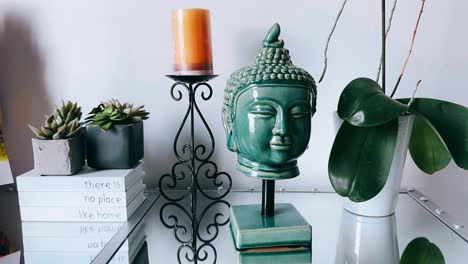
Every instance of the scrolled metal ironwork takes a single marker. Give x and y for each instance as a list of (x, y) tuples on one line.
[(215, 177), (212, 228), (180, 252), (206, 85), (174, 224), (186, 149), (202, 250), (210, 133), (170, 181), (196, 255), (193, 166), (178, 97)]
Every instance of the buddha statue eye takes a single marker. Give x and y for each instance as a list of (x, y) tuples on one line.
[(263, 111), (299, 112)]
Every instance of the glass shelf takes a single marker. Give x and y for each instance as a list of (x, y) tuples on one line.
[(337, 236)]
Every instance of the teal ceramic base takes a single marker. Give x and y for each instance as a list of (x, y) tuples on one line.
[(286, 228), (300, 255)]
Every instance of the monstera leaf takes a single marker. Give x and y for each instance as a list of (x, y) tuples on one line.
[(361, 158), (426, 147), (363, 103), (450, 121), (422, 251)]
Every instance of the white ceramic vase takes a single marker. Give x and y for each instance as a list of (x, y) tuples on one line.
[(385, 202), (367, 240)]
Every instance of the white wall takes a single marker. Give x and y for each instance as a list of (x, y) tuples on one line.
[(89, 51)]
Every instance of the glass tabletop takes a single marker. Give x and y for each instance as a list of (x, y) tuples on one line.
[(337, 235)]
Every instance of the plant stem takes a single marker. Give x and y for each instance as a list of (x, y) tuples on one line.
[(411, 48), (414, 93), (383, 47), (325, 63), (386, 35)]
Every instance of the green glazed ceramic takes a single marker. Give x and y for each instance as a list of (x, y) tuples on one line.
[(300, 255), (286, 228), (267, 112)]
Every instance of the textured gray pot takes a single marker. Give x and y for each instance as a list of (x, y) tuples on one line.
[(60, 156), (121, 147)]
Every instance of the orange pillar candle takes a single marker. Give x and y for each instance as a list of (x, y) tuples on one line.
[(192, 42)]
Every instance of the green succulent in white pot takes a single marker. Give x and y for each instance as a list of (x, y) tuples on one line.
[(59, 145), (114, 135)]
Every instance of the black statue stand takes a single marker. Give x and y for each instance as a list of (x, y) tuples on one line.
[(268, 198)]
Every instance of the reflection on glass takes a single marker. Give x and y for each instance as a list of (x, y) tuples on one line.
[(367, 240), (421, 250), (60, 242), (196, 230), (142, 255), (300, 255), (134, 250)]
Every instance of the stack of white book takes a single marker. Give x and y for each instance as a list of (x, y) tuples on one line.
[(60, 242), (88, 196)]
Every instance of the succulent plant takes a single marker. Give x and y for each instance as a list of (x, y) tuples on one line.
[(64, 123), (112, 112)]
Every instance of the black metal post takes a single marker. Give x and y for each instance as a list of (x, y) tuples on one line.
[(193, 172), (268, 198)]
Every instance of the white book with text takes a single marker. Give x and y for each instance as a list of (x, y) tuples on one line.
[(46, 250), (70, 229), (114, 180), (82, 199), (81, 214)]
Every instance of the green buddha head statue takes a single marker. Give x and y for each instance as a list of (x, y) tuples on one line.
[(267, 112)]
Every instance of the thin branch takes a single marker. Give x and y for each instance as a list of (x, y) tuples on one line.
[(325, 63), (384, 44), (414, 93), (386, 35), (411, 48)]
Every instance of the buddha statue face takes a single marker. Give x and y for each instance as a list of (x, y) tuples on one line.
[(272, 124), (267, 113)]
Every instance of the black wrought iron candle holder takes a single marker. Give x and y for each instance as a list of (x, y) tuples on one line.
[(194, 161)]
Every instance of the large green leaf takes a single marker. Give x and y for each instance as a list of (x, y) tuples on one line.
[(427, 148), (363, 103), (422, 251), (451, 122), (361, 158)]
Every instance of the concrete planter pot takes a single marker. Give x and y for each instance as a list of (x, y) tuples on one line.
[(121, 147), (59, 157)]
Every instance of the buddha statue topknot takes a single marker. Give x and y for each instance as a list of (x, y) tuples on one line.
[(267, 112)]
